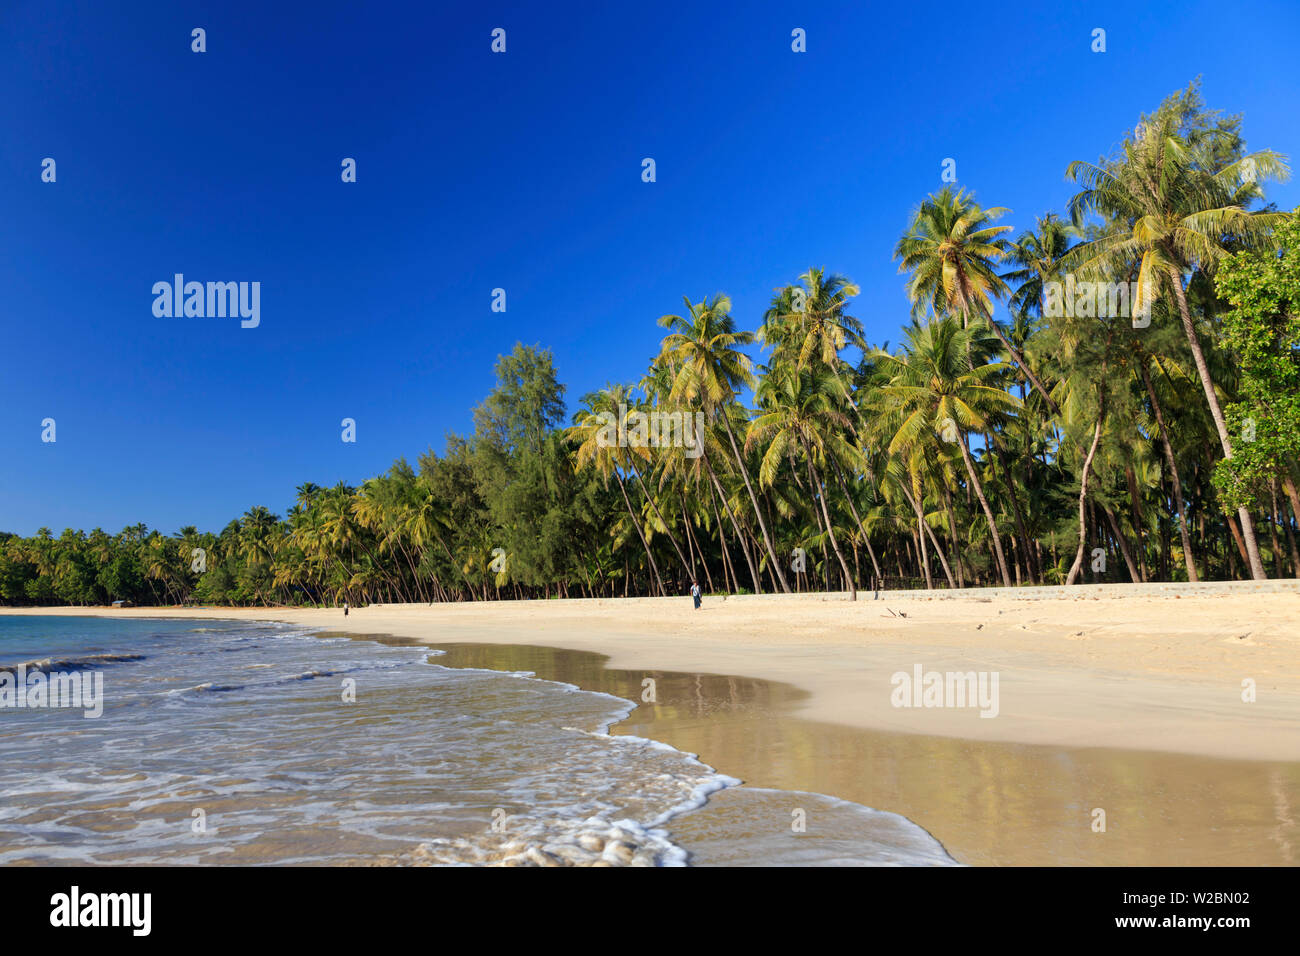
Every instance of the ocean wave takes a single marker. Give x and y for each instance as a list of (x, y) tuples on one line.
[(47, 664), (450, 766), (209, 687), (557, 842)]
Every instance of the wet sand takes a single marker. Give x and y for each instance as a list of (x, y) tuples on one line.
[(988, 803), (1130, 700)]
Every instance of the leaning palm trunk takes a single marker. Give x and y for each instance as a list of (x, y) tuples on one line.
[(728, 565), (1022, 535), (866, 539), (375, 562), (1077, 566), (1019, 359), (952, 530), (1289, 487), (1279, 513), (1202, 369), (1120, 541), (693, 540), (819, 491), (1136, 504), (1168, 447), (1273, 521), (415, 574), (469, 585), (636, 523), (667, 530), (735, 526), (988, 512), (919, 542), (762, 525), (921, 523)]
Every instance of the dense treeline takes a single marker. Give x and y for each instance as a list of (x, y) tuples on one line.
[(1068, 443)]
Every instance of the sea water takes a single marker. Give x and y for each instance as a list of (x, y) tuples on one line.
[(264, 743)]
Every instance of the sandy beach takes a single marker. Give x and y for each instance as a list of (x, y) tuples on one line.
[(1121, 698)]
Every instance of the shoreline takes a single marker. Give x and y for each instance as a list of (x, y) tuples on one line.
[(1113, 699), (1113, 666), (988, 804)]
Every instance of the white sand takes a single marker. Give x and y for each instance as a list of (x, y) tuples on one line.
[(1139, 667)]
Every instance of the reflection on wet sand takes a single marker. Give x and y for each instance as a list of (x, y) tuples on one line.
[(988, 803)]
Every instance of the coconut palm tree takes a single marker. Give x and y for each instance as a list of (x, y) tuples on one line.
[(807, 322), (1037, 252), (943, 385), (799, 414), (951, 249), (596, 433), (1174, 210), (708, 371)]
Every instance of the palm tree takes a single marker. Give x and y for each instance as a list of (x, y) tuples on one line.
[(807, 322), (942, 385), (256, 541), (1174, 211), (598, 448), (1038, 253), (951, 248), (708, 370), (799, 413)]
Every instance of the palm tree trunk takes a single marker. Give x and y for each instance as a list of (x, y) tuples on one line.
[(1083, 496), (1207, 384), (1273, 522), (1019, 359), (735, 526), (415, 574), (667, 530), (1120, 542), (819, 491), (728, 566), (693, 539), (1290, 538), (1188, 557), (952, 530), (744, 474), (923, 528), (1238, 540), (984, 503), (1288, 486), (636, 523), (375, 563), (918, 543), (1136, 502), (1021, 532), (839, 477)]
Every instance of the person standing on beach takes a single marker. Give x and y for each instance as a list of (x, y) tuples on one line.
[(695, 593), (345, 608)]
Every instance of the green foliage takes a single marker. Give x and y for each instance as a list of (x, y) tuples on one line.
[(1263, 330)]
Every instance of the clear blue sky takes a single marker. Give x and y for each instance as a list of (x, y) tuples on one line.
[(478, 171)]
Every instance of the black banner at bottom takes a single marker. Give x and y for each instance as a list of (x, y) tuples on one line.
[(337, 905)]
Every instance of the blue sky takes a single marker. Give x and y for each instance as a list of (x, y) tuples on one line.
[(478, 170)]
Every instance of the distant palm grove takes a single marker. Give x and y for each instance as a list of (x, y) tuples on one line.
[(1067, 443)]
